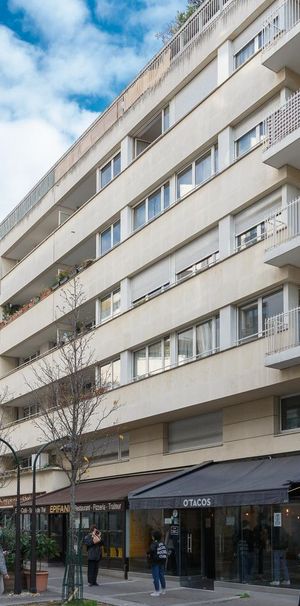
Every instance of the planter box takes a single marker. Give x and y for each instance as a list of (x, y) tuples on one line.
[(41, 580), (9, 584)]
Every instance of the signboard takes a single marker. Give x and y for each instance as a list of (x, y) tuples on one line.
[(11, 501), (196, 502), (84, 508), (277, 519)]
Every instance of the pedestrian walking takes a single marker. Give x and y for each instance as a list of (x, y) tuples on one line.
[(94, 543), (157, 555), (3, 570)]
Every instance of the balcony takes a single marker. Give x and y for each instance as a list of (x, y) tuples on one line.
[(282, 130), (281, 37), (282, 233), (283, 340)]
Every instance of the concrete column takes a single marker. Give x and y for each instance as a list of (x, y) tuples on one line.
[(225, 148), (290, 296), (126, 366), (226, 236), (172, 114), (126, 152), (289, 193), (126, 222), (125, 288), (285, 93), (173, 349), (97, 312), (6, 365), (225, 61), (173, 195), (228, 327), (172, 272)]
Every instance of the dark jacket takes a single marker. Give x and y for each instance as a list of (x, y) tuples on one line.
[(94, 549), (153, 555)]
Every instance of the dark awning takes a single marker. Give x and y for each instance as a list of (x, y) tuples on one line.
[(248, 482), (95, 491)]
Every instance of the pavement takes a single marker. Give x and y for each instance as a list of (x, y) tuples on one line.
[(115, 591)]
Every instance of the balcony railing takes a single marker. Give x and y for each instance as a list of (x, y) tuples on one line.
[(199, 24), (282, 331), (283, 225), (283, 121), (280, 21)]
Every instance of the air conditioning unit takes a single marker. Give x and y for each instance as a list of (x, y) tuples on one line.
[(42, 461)]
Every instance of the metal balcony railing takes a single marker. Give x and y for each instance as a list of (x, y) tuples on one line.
[(283, 225), (280, 21), (199, 24), (283, 121), (283, 331)]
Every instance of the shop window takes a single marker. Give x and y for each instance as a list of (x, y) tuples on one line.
[(110, 170), (290, 413), (196, 432), (152, 206)]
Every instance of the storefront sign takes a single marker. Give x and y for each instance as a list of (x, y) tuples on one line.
[(65, 508), (277, 519), (11, 501), (192, 502)]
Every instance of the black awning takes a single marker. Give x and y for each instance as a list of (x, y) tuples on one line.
[(248, 482)]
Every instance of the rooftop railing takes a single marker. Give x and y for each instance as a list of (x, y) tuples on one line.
[(282, 331), (283, 121), (280, 21), (283, 225), (202, 21)]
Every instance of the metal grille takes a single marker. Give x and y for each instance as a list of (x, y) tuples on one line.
[(280, 21), (282, 331), (283, 225), (283, 121)]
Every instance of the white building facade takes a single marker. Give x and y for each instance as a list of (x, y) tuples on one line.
[(180, 208)]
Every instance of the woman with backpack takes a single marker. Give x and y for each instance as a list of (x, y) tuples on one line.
[(157, 555)]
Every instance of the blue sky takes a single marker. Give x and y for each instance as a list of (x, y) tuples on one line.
[(61, 63)]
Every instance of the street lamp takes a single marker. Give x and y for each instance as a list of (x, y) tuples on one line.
[(33, 523), (18, 584)]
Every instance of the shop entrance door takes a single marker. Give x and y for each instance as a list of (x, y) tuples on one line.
[(197, 548)]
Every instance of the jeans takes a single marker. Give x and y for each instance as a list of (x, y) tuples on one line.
[(93, 566), (279, 557), (158, 575)]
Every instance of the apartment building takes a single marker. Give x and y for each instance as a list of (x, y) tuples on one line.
[(179, 210)]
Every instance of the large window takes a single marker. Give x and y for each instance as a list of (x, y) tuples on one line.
[(29, 411), (109, 448), (149, 133), (253, 315), (290, 413), (198, 341), (152, 358), (110, 237), (151, 206), (110, 374), (110, 170), (198, 172), (110, 305), (196, 432), (249, 140), (248, 50)]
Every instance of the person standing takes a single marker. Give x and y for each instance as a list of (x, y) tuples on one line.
[(158, 556), (94, 543), (280, 542), (3, 570)]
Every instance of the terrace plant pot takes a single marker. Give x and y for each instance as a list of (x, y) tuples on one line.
[(41, 580)]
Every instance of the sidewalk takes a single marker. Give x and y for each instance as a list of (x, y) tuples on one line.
[(136, 592)]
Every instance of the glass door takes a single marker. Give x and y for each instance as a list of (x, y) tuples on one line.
[(197, 548)]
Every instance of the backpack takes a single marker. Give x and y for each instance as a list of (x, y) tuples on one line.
[(161, 551)]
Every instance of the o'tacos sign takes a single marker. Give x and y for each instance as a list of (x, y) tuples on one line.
[(194, 502)]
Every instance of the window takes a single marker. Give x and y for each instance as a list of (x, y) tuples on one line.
[(196, 432), (152, 206), (251, 236), (248, 50), (249, 140), (198, 172), (198, 341), (25, 463), (197, 267), (149, 133), (290, 413), (110, 237), (30, 358), (110, 170), (110, 305), (151, 294), (29, 411), (152, 358), (110, 374), (109, 448), (253, 316)]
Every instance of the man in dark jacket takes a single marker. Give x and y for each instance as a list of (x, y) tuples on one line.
[(157, 555), (94, 544)]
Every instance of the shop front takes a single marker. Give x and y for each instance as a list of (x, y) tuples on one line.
[(235, 521)]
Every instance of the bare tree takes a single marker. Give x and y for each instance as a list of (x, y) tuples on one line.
[(73, 402)]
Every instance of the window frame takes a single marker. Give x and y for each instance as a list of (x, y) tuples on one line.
[(260, 328), (215, 335), (213, 444), (112, 384), (111, 228), (294, 429), (213, 151), (104, 165), (110, 296), (161, 114), (257, 42), (259, 135), (146, 348), (194, 269), (162, 188), (261, 230)]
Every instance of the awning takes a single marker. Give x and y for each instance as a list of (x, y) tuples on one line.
[(95, 491), (248, 482)]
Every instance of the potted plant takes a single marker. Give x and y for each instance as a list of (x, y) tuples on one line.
[(46, 548), (8, 541)]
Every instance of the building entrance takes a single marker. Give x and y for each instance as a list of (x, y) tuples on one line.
[(197, 548)]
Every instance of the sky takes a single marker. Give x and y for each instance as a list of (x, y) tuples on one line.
[(61, 63)]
